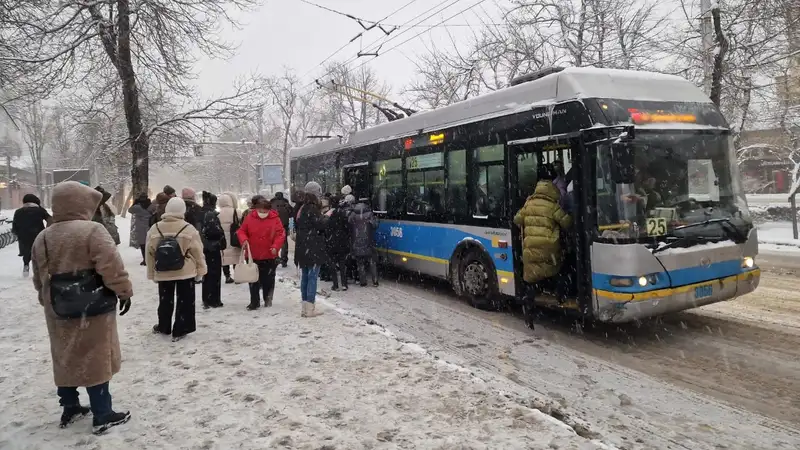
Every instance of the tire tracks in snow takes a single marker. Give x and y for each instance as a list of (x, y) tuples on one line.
[(627, 408)]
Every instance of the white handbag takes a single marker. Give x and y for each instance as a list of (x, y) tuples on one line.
[(247, 270)]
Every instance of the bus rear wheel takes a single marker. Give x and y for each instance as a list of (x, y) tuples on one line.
[(477, 283)]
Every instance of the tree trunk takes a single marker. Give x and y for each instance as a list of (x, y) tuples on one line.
[(140, 145), (720, 52)]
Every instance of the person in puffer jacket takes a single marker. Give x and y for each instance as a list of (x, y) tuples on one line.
[(181, 282), (263, 233), (541, 220)]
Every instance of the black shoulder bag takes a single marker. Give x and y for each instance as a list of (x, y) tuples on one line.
[(234, 228), (79, 294)]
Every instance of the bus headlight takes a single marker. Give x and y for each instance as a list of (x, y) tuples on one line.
[(642, 281), (748, 262)]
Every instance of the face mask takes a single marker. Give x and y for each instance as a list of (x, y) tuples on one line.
[(263, 215)]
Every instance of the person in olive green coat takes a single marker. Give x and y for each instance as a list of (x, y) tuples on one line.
[(541, 219)]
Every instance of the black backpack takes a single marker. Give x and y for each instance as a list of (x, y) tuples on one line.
[(169, 255), (212, 233)]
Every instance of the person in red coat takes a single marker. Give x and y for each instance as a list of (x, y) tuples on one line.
[(263, 232)]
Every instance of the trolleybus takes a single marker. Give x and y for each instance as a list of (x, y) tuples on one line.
[(660, 220)]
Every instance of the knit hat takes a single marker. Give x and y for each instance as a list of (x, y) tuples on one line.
[(312, 187), (175, 208), (347, 190), (349, 199), (188, 194), (169, 190)]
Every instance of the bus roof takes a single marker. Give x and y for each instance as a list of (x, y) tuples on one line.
[(569, 84)]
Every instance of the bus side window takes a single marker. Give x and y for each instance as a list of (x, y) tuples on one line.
[(457, 204)]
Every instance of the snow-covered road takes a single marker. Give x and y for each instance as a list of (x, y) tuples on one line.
[(255, 380), (720, 377)]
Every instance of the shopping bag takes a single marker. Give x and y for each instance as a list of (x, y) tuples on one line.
[(247, 270)]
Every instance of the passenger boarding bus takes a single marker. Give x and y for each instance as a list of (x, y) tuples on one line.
[(660, 221)]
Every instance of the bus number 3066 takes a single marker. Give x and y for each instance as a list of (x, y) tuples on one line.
[(396, 232)]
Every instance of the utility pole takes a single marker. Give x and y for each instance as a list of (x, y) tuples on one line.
[(707, 33)]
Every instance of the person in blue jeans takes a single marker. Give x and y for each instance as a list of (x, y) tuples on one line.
[(85, 351), (310, 251)]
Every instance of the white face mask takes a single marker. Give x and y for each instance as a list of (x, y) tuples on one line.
[(263, 215)]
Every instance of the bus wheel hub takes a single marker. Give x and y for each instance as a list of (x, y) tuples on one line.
[(475, 278)]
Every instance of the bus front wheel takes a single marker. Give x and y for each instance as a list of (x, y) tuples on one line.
[(477, 283)]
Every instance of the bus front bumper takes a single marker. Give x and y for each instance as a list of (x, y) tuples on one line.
[(617, 307)]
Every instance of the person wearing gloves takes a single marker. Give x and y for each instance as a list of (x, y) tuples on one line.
[(263, 234), (175, 261), (85, 347)]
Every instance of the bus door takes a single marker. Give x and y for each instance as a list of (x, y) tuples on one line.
[(357, 176), (530, 159)]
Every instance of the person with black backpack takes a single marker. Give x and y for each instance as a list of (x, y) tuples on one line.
[(176, 262), (214, 242)]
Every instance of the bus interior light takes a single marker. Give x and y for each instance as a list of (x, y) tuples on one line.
[(405, 259)]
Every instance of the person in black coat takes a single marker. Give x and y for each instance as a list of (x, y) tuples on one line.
[(284, 210), (337, 242), (29, 221), (194, 212), (214, 243), (309, 248)]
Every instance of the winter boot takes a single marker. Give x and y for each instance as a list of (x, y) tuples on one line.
[(102, 424), (254, 305), (309, 310), (26, 270), (229, 280), (72, 414), (268, 301)]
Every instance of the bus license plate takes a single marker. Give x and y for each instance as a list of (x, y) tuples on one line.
[(703, 291)]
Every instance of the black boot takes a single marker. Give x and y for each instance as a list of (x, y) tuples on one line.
[(229, 280), (72, 414), (100, 425), (254, 305)]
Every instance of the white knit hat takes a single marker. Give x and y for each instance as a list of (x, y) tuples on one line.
[(349, 199), (347, 190), (176, 207)]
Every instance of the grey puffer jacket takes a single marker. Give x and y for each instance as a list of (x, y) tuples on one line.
[(362, 230)]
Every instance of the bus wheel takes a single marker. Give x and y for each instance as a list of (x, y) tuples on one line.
[(477, 284)]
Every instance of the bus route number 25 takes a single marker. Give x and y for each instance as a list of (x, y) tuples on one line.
[(396, 232)]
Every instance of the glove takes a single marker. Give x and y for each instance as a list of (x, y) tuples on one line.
[(124, 306)]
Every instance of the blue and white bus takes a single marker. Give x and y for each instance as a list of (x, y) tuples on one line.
[(661, 223)]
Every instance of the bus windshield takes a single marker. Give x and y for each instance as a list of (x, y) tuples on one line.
[(666, 184)]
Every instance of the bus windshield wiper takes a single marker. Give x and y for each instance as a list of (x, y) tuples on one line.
[(694, 239), (727, 225)]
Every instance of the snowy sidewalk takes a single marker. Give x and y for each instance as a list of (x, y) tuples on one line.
[(254, 380)]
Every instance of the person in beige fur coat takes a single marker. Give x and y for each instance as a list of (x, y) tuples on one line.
[(85, 350)]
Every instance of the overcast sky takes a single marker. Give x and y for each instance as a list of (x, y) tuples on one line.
[(294, 34)]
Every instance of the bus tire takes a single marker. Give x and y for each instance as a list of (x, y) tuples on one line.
[(476, 282)]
